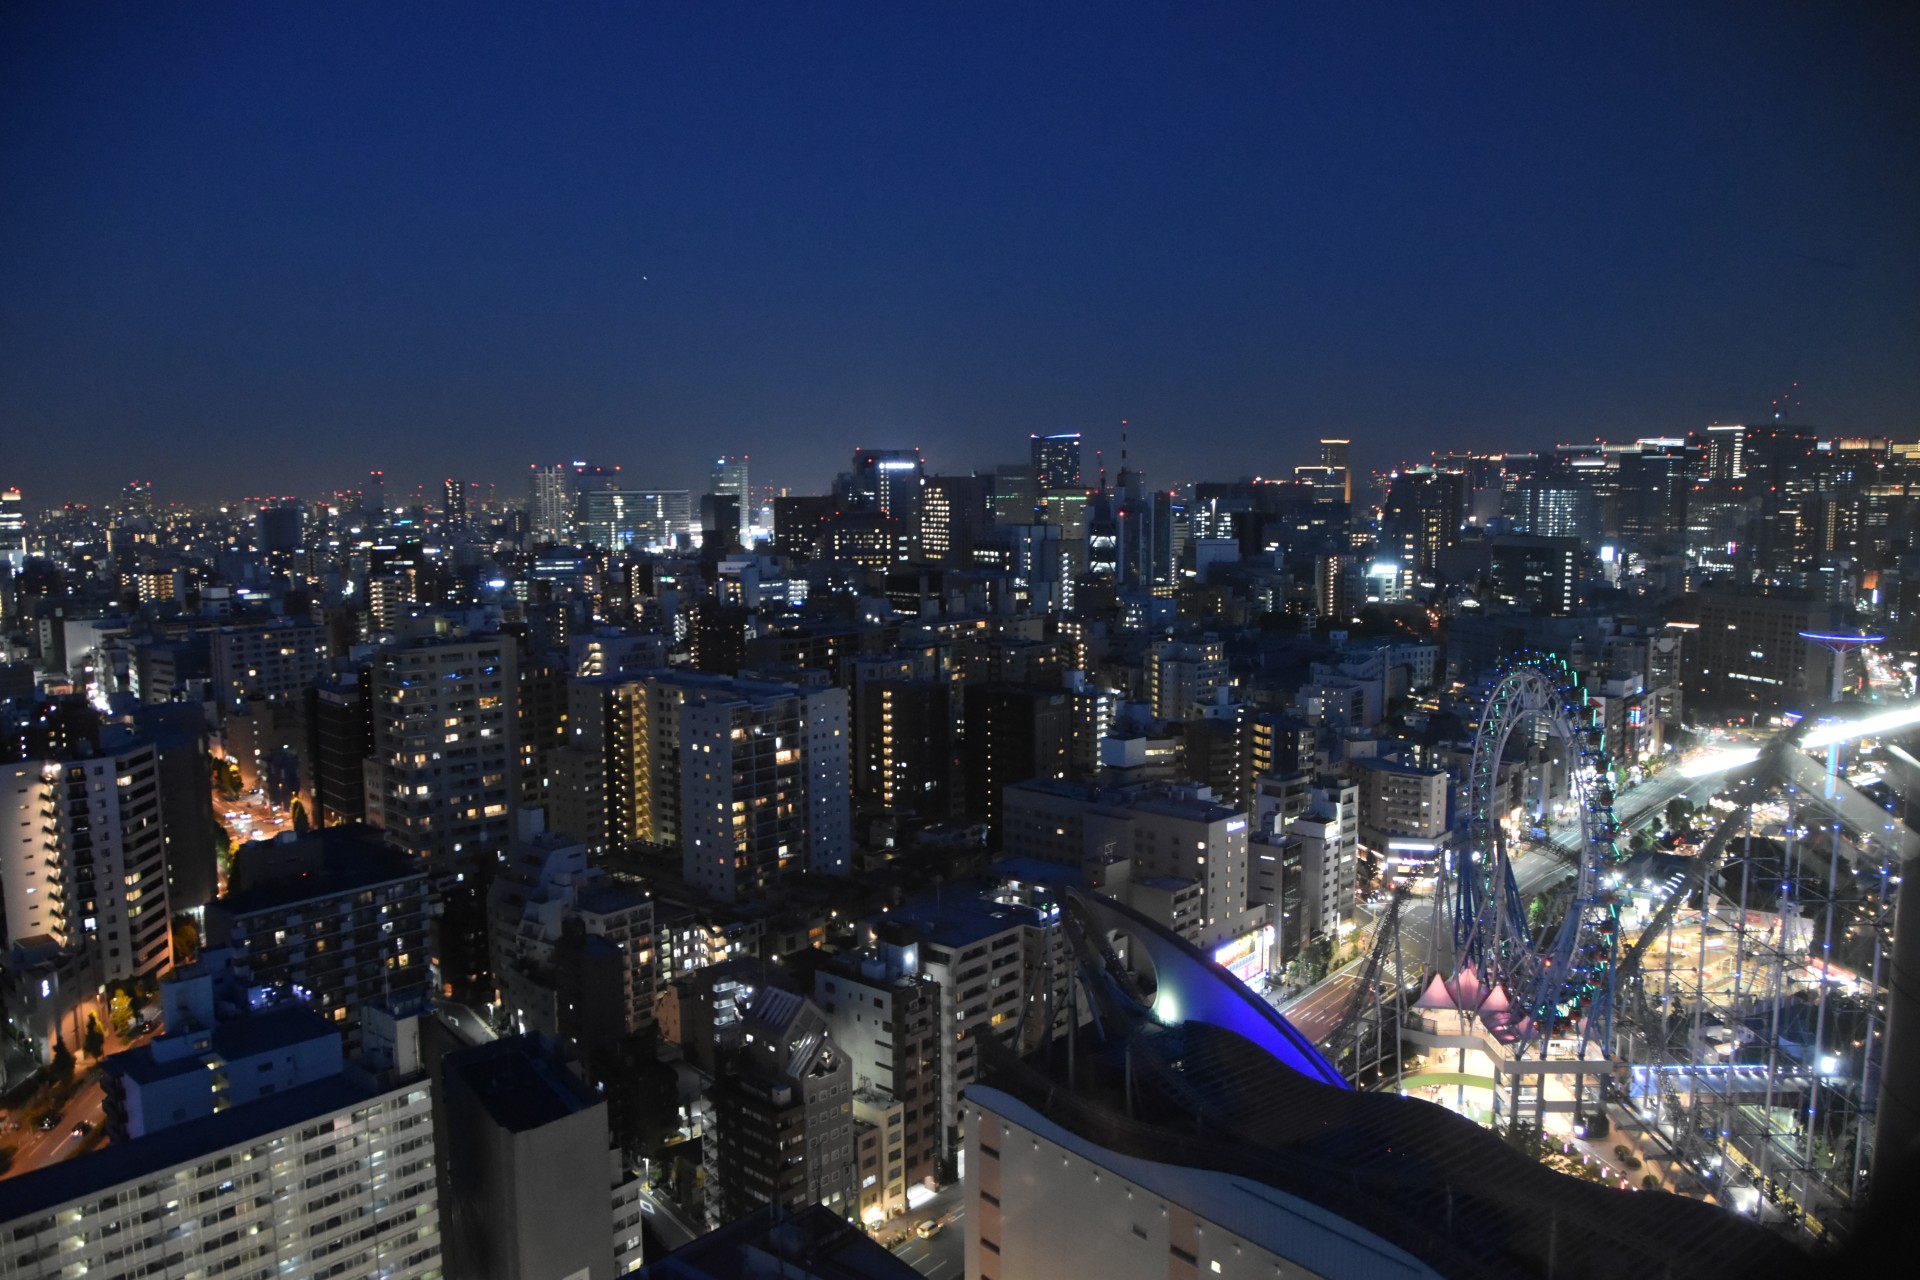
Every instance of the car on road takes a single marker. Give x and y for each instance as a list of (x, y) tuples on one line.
[(81, 1130), (929, 1229)]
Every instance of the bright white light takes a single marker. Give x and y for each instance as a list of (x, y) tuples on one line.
[(1886, 722), (1719, 762), (1828, 1065)]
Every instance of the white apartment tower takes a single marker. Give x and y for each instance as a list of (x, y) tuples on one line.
[(334, 1178), (83, 858), (550, 504)]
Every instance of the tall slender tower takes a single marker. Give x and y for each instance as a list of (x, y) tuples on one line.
[(730, 480)]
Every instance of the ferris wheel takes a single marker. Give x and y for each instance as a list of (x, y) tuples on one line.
[(1533, 982)]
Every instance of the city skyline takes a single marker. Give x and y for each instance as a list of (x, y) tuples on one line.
[(293, 242)]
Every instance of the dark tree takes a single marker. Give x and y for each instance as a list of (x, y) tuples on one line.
[(61, 1068)]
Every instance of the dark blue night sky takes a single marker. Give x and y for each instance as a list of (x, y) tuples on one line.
[(265, 247)]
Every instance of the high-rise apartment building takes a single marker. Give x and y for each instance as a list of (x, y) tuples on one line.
[(550, 504), (1013, 733), (272, 660), (1184, 675), (1403, 814), (1423, 514), (335, 1177), (335, 917), (730, 480), (750, 778), (455, 501), (83, 857), (440, 782), (903, 760), (764, 776)]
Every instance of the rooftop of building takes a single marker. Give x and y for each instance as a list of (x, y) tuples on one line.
[(268, 875), (1387, 764), (521, 1081), (113, 1166), (233, 1040), (961, 916), (814, 1243)]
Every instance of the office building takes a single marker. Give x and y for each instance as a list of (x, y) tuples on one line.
[(890, 481), (1542, 574), (637, 519), (884, 1013), (1423, 514), (783, 1114), (544, 891), (730, 480), (217, 1052), (1403, 815), (955, 512), (532, 1189), (1747, 655), (1056, 460), (1013, 733)]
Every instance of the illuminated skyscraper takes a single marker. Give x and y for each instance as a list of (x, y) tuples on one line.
[(13, 527), (137, 498), (890, 481), (1423, 514), (376, 496), (730, 480), (1056, 460), (551, 503), (456, 501), (1333, 454)]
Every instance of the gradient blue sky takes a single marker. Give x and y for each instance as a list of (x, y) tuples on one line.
[(264, 247)]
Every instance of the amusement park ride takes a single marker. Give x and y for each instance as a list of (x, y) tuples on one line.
[(1728, 1029)]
